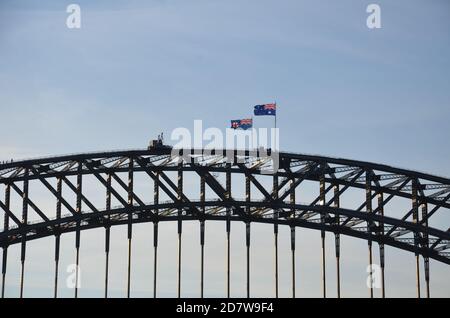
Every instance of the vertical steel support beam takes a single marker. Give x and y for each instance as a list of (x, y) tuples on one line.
[(293, 259), (381, 245), (228, 225), (322, 220), (275, 230), (77, 234), (180, 223), (107, 234), (6, 228), (415, 213), (426, 259), (369, 224), (155, 234), (292, 202), (337, 241), (24, 223), (425, 244), (130, 221), (57, 235), (202, 236), (247, 230)]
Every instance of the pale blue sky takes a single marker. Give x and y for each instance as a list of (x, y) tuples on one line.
[(136, 68)]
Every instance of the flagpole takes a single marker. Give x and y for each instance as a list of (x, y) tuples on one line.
[(275, 115), (256, 144)]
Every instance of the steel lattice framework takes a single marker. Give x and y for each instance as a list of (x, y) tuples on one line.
[(429, 198)]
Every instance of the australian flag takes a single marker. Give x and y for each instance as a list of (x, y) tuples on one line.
[(266, 109), (242, 124)]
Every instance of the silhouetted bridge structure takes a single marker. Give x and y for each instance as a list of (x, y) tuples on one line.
[(418, 230)]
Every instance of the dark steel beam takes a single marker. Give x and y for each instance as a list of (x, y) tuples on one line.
[(380, 209), (105, 184), (202, 238), (78, 230), (426, 259), (38, 230), (10, 215), (5, 227), (180, 196), (54, 192), (283, 155), (161, 175), (83, 198), (24, 223), (257, 184), (89, 222), (416, 227), (369, 225), (247, 231), (415, 213), (155, 234), (322, 235), (298, 181), (341, 191), (124, 186), (293, 259), (293, 216), (57, 236), (337, 241), (50, 173), (30, 203), (107, 234), (406, 216), (228, 225), (217, 188), (130, 220), (275, 231)]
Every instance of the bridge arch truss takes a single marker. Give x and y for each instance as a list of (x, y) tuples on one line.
[(422, 229)]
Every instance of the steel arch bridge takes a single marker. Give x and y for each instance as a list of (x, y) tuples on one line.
[(420, 229)]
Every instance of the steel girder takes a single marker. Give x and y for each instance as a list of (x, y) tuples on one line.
[(411, 231)]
